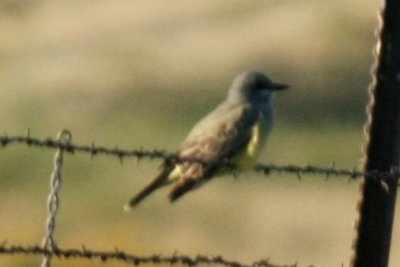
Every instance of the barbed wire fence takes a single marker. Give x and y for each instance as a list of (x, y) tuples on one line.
[(140, 154), (63, 144), (380, 177)]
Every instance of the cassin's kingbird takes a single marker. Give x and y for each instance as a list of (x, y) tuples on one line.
[(236, 131)]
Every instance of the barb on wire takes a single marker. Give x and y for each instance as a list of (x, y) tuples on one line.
[(122, 256), (53, 201), (139, 154)]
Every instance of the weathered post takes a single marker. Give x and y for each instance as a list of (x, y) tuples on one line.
[(382, 150)]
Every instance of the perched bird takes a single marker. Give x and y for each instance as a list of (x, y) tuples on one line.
[(235, 130)]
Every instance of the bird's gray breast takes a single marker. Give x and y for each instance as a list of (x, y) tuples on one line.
[(266, 121)]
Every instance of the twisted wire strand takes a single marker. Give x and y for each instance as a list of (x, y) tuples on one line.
[(53, 201)]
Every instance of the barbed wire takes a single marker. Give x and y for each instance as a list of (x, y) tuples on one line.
[(49, 249), (122, 256), (139, 154), (63, 143)]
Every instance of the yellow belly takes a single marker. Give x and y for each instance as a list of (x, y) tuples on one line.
[(247, 158)]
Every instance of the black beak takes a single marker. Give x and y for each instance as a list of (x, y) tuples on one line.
[(279, 86)]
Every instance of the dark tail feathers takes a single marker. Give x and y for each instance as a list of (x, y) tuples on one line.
[(158, 182)]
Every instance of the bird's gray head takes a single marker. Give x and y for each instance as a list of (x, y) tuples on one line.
[(254, 87)]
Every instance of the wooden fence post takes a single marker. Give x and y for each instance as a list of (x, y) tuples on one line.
[(377, 207)]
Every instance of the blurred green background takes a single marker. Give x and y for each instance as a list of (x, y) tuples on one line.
[(139, 74)]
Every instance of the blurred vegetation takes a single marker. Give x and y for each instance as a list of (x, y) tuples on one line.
[(140, 74)]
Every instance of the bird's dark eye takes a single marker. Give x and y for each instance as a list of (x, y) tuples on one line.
[(261, 84)]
